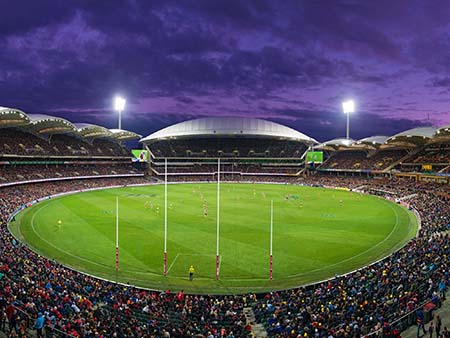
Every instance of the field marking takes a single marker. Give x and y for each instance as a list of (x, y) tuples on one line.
[(173, 262), (94, 262), (205, 278), (193, 254), (71, 254), (57, 248), (358, 255), (112, 268)]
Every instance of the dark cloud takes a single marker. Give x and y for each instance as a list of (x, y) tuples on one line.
[(179, 59), (22, 16), (440, 82), (327, 125)]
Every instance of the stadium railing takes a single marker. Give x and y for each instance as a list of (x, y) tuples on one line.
[(52, 332), (68, 179), (409, 319), (49, 331)]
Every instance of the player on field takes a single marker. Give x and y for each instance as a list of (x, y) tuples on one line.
[(191, 273), (58, 225)]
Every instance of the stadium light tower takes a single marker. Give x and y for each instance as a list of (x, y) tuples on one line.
[(119, 106), (348, 107)]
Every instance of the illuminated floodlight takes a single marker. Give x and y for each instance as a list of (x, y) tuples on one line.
[(119, 106), (119, 103), (348, 106)]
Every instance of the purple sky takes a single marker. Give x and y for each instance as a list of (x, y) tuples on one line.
[(292, 62)]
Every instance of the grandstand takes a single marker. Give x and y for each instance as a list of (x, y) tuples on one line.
[(38, 147), (418, 150), (247, 148), (43, 155)]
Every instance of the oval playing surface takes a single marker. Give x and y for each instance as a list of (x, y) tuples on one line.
[(317, 233)]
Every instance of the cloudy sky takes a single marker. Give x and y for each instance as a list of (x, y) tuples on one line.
[(292, 62)]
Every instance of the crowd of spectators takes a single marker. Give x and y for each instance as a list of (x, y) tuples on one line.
[(383, 158), (19, 142), (347, 159), (438, 153), (354, 305), (25, 172), (228, 147), (362, 160), (373, 297), (228, 167), (233, 178), (81, 306)]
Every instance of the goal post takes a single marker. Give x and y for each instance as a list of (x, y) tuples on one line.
[(165, 217), (117, 233), (271, 242), (218, 220)]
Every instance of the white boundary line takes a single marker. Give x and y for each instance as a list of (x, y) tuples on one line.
[(197, 255), (358, 255), (173, 262), (150, 273), (54, 246), (220, 256)]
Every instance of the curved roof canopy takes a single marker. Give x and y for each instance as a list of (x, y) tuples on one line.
[(412, 137), (92, 130), (368, 143), (228, 127), (442, 134), (124, 135), (45, 124), (11, 117), (337, 143), (373, 140)]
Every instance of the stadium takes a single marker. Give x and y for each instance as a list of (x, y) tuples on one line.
[(288, 236)]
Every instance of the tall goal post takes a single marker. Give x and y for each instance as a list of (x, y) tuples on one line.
[(117, 234), (271, 241), (218, 220), (165, 217)]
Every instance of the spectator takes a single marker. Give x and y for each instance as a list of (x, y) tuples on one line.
[(39, 325)]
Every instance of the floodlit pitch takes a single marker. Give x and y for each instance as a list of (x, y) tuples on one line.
[(317, 233)]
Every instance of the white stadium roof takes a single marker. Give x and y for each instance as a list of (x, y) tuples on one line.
[(124, 135), (373, 140), (442, 135), (426, 132), (413, 137), (11, 117), (369, 143), (228, 126), (45, 124), (443, 129), (335, 143), (92, 130), (217, 126)]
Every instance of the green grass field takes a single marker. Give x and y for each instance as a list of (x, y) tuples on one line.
[(317, 233)]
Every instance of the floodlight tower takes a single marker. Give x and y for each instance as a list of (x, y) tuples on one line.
[(348, 108), (119, 106)]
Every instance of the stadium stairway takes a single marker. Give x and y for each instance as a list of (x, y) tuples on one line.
[(444, 169), (444, 314), (257, 329), (410, 154)]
